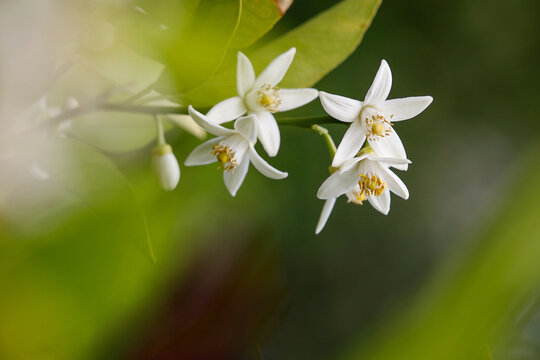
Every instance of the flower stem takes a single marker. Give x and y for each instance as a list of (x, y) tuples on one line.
[(307, 121), (327, 138), (160, 131)]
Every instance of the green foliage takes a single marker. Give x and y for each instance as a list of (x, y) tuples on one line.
[(322, 44), (469, 310)]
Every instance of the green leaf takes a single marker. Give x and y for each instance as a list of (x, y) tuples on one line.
[(322, 44), (96, 183), (194, 52), (114, 132), (258, 17)]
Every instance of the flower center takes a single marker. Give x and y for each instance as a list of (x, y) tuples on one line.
[(377, 127), (370, 185), (268, 97), (225, 155)]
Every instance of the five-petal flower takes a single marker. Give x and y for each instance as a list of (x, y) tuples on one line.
[(365, 177), (372, 119), (261, 97), (233, 149)]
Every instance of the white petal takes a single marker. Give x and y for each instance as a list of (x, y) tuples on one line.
[(247, 127), (202, 154), (350, 144), (227, 110), (265, 168), (340, 107), (207, 124), (389, 161), (338, 184), (167, 170), (379, 90), (187, 123), (406, 108), (245, 75), (268, 132), (294, 98), (325, 214), (394, 183), (276, 70), (390, 146), (233, 179), (347, 164), (381, 203)]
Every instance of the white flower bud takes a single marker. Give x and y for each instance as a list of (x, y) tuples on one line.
[(166, 167)]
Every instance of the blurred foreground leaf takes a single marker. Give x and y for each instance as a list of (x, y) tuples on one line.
[(467, 310)]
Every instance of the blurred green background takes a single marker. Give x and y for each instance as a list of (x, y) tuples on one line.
[(451, 273)]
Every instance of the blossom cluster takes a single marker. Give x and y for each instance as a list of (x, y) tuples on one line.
[(360, 168)]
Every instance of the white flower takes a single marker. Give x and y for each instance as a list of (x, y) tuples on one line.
[(261, 97), (166, 166), (373, 118), (366, 177), (233, 149)]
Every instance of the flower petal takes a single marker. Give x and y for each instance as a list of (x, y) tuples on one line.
[(390, 146), (233, 179), (347, 164), (381, 203), (245, 75), (247, 127), (340, 107), (268, 132), (227, 110), (406, 108), (207, 124), (350, 144), (202, 154), (379, 90), (338, 184), (389, 161), (276, 70), (294, 98), (325, 214), (395, 184), (265, 168), (187, 123)]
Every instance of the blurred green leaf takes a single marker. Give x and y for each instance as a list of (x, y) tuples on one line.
[(96, 182), (469, 309), (195, 50), (114, 132), (258, 17), (322, 44)]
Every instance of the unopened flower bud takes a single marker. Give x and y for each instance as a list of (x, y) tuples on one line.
[(166, 166)]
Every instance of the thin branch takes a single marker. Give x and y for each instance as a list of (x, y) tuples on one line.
[(327, 138)]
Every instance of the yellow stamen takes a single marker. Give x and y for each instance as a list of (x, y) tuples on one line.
[(377, 129), (372, 185), (225, 156), (268, 97)]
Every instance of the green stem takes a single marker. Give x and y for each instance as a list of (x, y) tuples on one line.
[(160, 131), (99, 105), (327, 138), (308, 121)]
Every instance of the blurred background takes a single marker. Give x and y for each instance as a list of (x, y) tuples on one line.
[(451, 273)]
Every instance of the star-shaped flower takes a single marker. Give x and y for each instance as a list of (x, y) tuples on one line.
[(365, 177), (233, 149), (262, 97), (373, 119)]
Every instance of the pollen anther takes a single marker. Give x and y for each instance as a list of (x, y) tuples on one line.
[(225, 156), (268, 97)]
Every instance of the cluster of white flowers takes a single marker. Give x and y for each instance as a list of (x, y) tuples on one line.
[(360, 170)]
